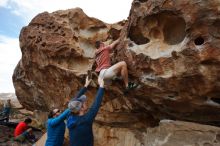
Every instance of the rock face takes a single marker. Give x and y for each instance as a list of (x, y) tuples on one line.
[(171, 47), (168, 133)]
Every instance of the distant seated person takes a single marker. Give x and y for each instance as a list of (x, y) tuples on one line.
[(23, 132), (6, 111)]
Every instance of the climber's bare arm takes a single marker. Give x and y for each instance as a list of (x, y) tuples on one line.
[(114, 44)]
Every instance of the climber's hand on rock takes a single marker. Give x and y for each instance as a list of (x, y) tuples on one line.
[(66, 101), (87, 82)]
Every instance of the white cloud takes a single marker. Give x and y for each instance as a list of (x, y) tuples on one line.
[(3, 3), (9, 56), (110, 11)]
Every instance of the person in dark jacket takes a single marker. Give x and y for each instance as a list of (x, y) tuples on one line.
[(6, 111), (79, 122), (56, 125)]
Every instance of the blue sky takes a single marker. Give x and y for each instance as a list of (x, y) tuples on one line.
[(11, 23), (14, 14)]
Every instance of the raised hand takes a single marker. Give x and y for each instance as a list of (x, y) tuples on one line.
[(87, 82)]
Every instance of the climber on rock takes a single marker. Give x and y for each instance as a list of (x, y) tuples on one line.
[(104, 68)]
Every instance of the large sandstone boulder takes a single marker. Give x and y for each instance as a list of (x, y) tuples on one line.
[(171, 48)]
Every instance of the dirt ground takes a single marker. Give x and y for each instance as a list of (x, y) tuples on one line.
[(18, 113), (7, 138)]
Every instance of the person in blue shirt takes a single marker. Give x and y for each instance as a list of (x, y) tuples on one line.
[(79, 121), (56, 125), (6, 111)]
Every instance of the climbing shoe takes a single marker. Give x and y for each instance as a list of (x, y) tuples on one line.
[(131, 85)]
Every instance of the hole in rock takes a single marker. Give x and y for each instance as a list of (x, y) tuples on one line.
[(166, 26), (130, 45), (136, 35), (114, 33), (142, 1), (171, 96), (136, 4), (207, 144), (155, 33), (214, 30), (199, 41), (209, 62), (43, 44), (174, 29), (218, 137), (217, 100)]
